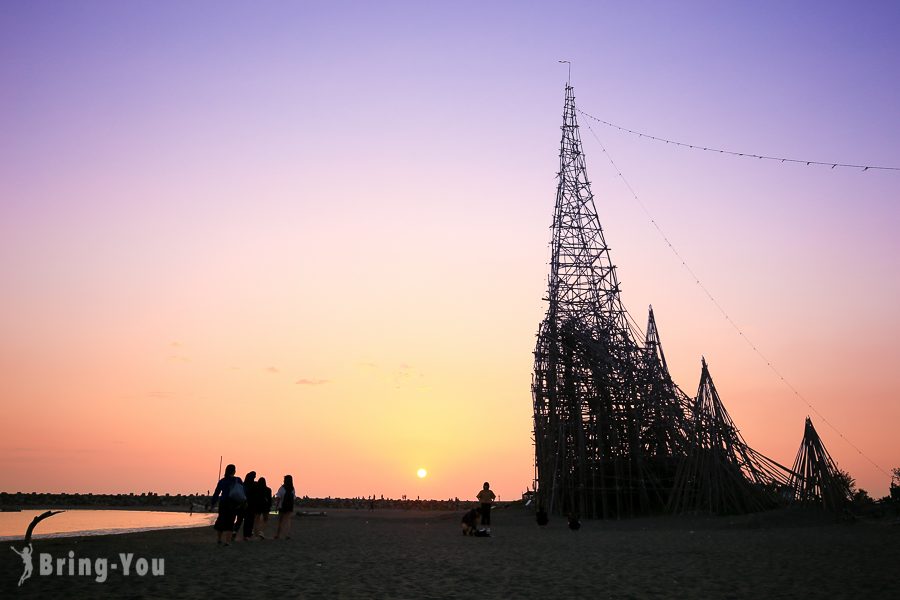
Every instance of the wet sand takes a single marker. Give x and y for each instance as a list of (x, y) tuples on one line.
[(410, 554)]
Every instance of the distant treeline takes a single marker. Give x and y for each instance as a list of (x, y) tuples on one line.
[(370, 504), (199, 502), (142, 500)]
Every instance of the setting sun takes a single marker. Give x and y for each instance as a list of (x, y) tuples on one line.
[(421, 473)]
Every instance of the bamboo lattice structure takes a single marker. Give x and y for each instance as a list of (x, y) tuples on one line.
[(614, 435), (721, 473), (816, 480), (607, 416)]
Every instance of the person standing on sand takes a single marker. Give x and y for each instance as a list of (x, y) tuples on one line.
[(264, 505), (284, 500), (486, 498), (231, 501), (246, 514)]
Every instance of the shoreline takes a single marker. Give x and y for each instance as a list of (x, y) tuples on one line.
[(42, 507), (91, 533)]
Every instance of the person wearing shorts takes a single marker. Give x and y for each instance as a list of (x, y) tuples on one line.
[(227, 507)]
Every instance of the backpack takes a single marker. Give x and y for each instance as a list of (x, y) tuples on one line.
[(287, 502), (237, 494)]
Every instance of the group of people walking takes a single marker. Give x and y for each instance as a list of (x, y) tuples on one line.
[(244, 506)]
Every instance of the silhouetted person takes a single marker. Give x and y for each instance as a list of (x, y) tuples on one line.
[(284, 499), (470, 522), (263, 507), (246, 514), (574, 523), (232, 493), (486, 498), (541, 516)]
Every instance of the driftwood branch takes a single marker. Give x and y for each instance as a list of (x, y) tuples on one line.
[(37, 520)]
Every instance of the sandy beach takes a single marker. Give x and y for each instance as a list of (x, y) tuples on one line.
[(411, 554)]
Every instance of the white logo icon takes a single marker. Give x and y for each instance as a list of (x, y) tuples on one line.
[(25, 553)]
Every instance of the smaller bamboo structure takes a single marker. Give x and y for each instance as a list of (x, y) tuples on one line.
[(816, 480), (721, 473)]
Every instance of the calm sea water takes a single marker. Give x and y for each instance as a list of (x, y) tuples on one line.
[(96, 522)]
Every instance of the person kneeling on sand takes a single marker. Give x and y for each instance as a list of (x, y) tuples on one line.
[(470, 522)]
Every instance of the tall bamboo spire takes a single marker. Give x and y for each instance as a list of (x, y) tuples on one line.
[(587, 386), (583, 282)]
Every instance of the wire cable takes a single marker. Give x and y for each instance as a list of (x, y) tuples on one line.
[(733, 153), (719, 306)]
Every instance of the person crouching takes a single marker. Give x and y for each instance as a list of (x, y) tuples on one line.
[(470, 522)]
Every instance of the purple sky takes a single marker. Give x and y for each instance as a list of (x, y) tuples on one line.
[(359, 194)]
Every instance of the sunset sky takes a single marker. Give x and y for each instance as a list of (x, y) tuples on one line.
[(313, 237)]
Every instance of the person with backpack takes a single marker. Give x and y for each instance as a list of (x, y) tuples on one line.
[(284, 500), (232, 497)]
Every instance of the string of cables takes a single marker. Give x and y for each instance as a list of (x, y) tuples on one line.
[(721, 309), (733, 153)]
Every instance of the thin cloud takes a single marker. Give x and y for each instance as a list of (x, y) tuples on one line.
[(311, 381), (272, 370), (408, 376)]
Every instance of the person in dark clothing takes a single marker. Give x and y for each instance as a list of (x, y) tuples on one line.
[(263, 507), (231, 492), (470, 522), (486, 498), (285, 502), (245, 514)]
